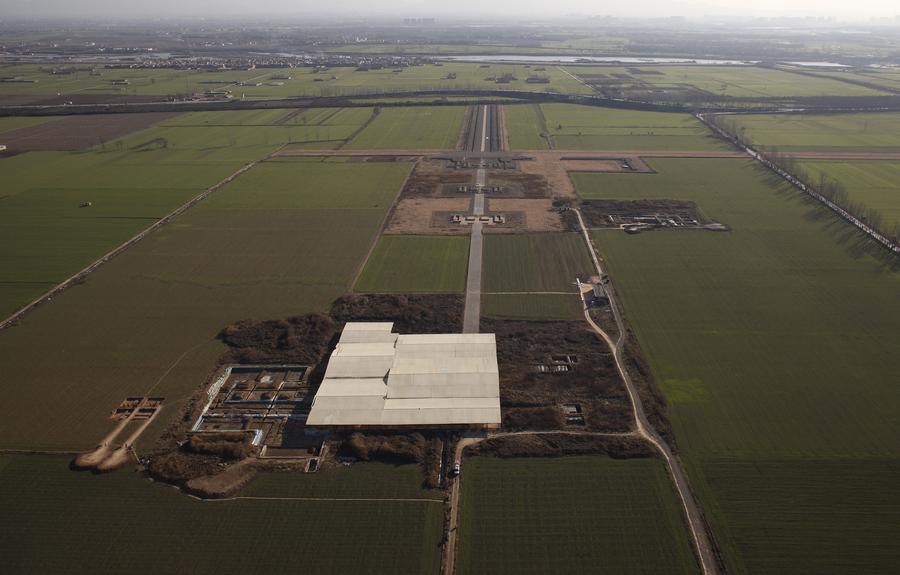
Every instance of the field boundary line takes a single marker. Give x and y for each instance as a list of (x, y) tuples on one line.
[(376, 111), (703, 543), (795, 182), (351, 499), (387, 215), (37, 452), (83, 273), (542, 121), (530, 293)]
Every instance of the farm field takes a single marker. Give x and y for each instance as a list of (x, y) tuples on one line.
[(416, 264), (412, 128), (871, 132), (338, 81), (254, 133), (131, 183), (52, 518), (532, 306), (10, 123), (732, 81), (760, 366), (547, 262), (574, 127), (874, 183), (375, 480), (46, 235), (887, 78), (284, 239), (524, 126), (571, 515)]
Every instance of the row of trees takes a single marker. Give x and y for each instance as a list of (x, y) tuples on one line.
[(818, 183)]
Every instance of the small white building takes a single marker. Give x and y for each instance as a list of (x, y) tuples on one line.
[(377, 378)]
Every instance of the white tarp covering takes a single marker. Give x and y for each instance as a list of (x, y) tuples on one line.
[(375, 377)]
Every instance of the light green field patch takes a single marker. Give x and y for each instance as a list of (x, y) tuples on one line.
[(874, 183), (417, 127), (524, 127), (873, 132), (547, 262), (416, 264), (684, 390), (720, 81), (576, 127)]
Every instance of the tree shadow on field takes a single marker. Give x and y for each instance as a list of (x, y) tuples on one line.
[(857, 244)]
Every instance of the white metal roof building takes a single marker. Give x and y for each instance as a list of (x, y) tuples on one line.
[(376, 378)]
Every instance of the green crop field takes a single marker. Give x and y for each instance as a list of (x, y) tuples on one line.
[(734, 81), (338, 81), (874, 183), (571, 515), (285, 238), (573, 127), (131, 183), (875, 132), (46, 236), (525, 128), (416, 264), (14, 123), (532, 306), (547, 262), (421, 127), (253, 133), (373, 480), (53, 519), (762, 370), (883, 77)]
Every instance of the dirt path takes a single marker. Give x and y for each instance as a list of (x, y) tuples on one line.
[(504, 131), (704, 547), (362, 153), (822, 155), (384, 224), (78, 276), (358, 499)]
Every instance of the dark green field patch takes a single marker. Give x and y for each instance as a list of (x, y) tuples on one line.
[(146, 322), (775, 342), (534, 262), (809, 517), (416, 264), (532, 306), (571, 515), (53, 519)]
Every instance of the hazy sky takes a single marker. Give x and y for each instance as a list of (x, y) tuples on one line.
[(857, 9)]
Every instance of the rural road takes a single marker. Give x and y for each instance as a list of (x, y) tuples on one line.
[(472, 313), (704, 547)]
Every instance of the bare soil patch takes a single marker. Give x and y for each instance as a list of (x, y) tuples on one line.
[(561, 444), (613, 213), (529, 185), (529, 354), (537, 215), (80, 132), (413, 313), (416, 215), (428, 177)]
